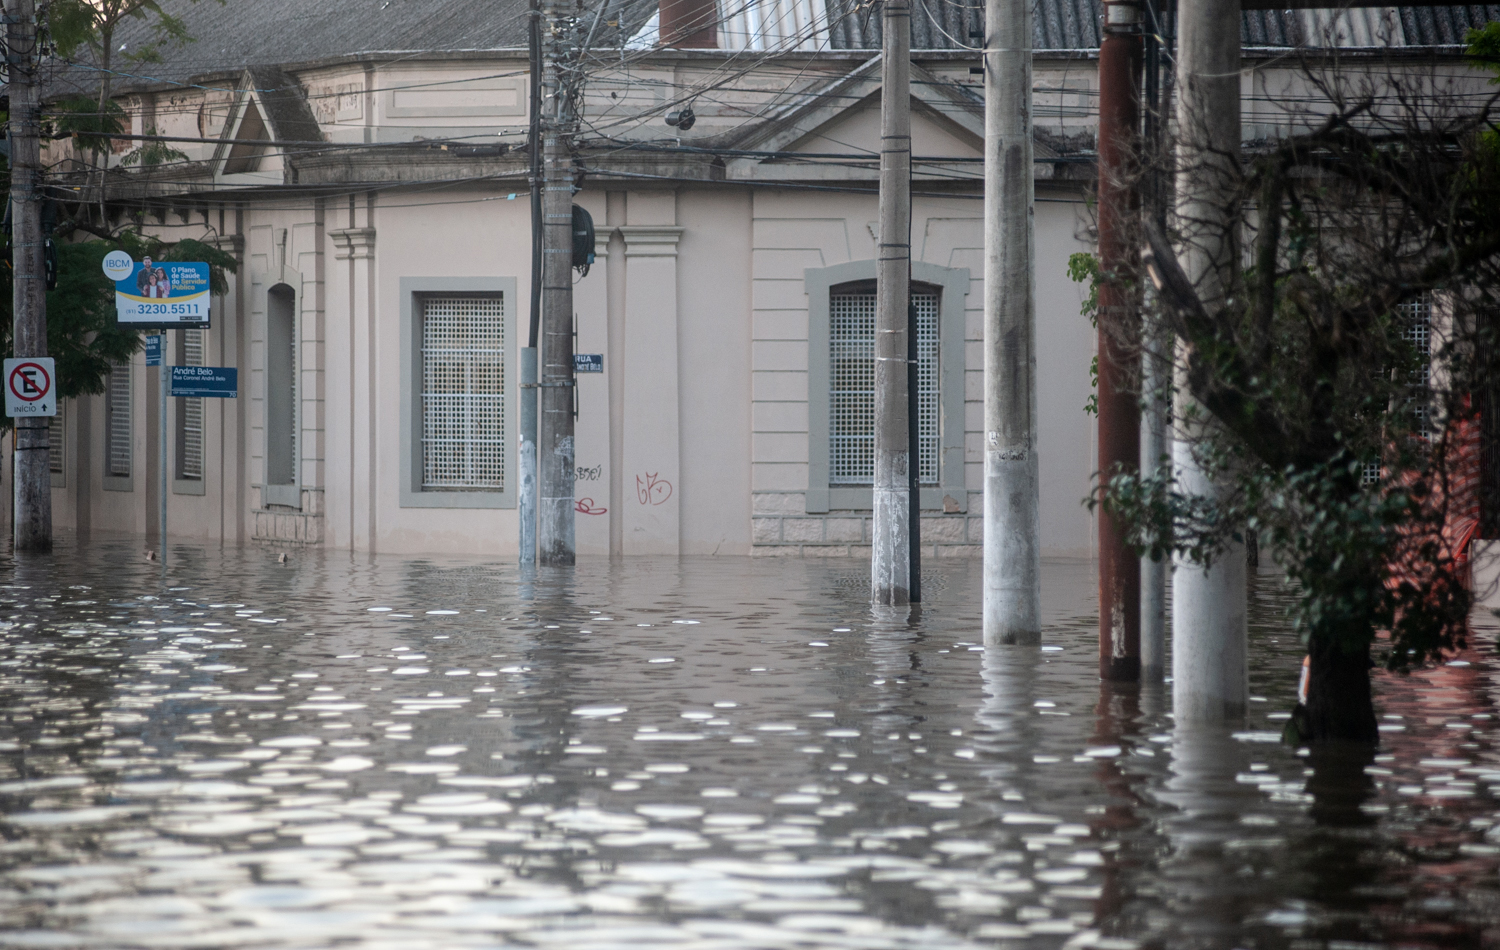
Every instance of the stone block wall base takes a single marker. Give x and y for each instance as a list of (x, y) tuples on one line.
[(288, 527), (780, 526)]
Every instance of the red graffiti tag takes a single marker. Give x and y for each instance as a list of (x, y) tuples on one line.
[(651, 490), (585, 506)]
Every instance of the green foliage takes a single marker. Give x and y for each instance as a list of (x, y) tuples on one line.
[(82, 117), (1484, 47), (153, 153), (1084, 268), (90, 25)]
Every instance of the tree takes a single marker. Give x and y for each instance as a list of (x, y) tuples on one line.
[(92, 24), (1342, 450)]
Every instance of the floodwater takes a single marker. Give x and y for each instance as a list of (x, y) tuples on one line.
[(397, 752)]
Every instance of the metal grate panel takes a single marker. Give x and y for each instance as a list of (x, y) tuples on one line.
[(1416, 317), (851, 402), (56, 443), (117, 421), (463, 393), (190, 414)]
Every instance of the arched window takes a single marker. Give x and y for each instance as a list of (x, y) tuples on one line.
[(281, 398)]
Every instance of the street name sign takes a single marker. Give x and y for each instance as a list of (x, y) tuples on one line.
[(588, 362), (220, 382), (154, 347), (30, 387)]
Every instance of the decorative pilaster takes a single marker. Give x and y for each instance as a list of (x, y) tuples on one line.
[(652, 460)]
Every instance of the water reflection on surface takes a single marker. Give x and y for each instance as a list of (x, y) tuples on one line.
[(400, 752)]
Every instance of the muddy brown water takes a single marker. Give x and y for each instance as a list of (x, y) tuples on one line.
[(405, 752)]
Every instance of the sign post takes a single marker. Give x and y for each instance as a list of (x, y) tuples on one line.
[(159, 295), (30, 387), (162, 387)]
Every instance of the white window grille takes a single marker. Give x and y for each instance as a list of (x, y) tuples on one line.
[(1416, 329), (117, 421), (851, 402), (56, 443), (463, 393), (190, 415)]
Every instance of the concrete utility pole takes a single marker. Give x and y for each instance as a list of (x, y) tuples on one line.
[(1012, 525), (526, 489), (890, 561), (1209, 675), (33, 471), (555, 443), (1119, 331)]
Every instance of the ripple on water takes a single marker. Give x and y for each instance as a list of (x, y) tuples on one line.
[(334, 780)]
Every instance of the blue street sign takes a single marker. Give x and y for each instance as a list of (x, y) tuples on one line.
[(588, 362), (216, 381), (154, 348)]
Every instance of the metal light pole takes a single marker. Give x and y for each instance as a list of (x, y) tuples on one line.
[(526, 490), (33, 471), (1012, 526), (555, 443), (1119, 332), (890, 561)]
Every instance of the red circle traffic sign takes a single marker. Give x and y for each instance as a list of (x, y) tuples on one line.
[(23, 385)]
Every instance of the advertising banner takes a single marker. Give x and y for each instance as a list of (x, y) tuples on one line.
[(161, 294)]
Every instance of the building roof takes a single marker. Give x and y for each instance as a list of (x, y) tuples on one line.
[(1074, 25), (238, 34)]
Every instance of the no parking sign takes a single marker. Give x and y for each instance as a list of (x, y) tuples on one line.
[(30, 387)]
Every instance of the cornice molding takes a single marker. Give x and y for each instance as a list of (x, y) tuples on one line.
[(650, 240)]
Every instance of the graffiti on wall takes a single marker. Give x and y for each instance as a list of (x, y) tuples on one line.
[(651, 490)]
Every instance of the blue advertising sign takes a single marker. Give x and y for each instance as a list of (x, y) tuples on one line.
[(162, 294), (222, 382), (153, 349), (588, 362)]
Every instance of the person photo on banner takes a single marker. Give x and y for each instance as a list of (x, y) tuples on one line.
[(163, 284), (143, 278)]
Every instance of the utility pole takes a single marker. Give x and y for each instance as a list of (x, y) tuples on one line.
[(526, 490), (1012, 525), (890, 561), (1156, 350), (33, 471), (1119, 332), (555, 443), (1209, 673)]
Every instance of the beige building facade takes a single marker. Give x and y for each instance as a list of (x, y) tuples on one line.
[(384, 278)]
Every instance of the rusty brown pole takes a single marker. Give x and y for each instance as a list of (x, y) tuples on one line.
[(1119, 333)]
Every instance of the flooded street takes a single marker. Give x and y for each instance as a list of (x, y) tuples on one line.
[(397, 752)]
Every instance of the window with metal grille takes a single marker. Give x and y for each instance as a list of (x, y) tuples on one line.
[(851, 398), (463, 393), (117, 421), (56, 444), (1416, 329), (190, 413)]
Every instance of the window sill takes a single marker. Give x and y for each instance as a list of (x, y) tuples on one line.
[(457, 499), (119, 483), (188, 486)]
